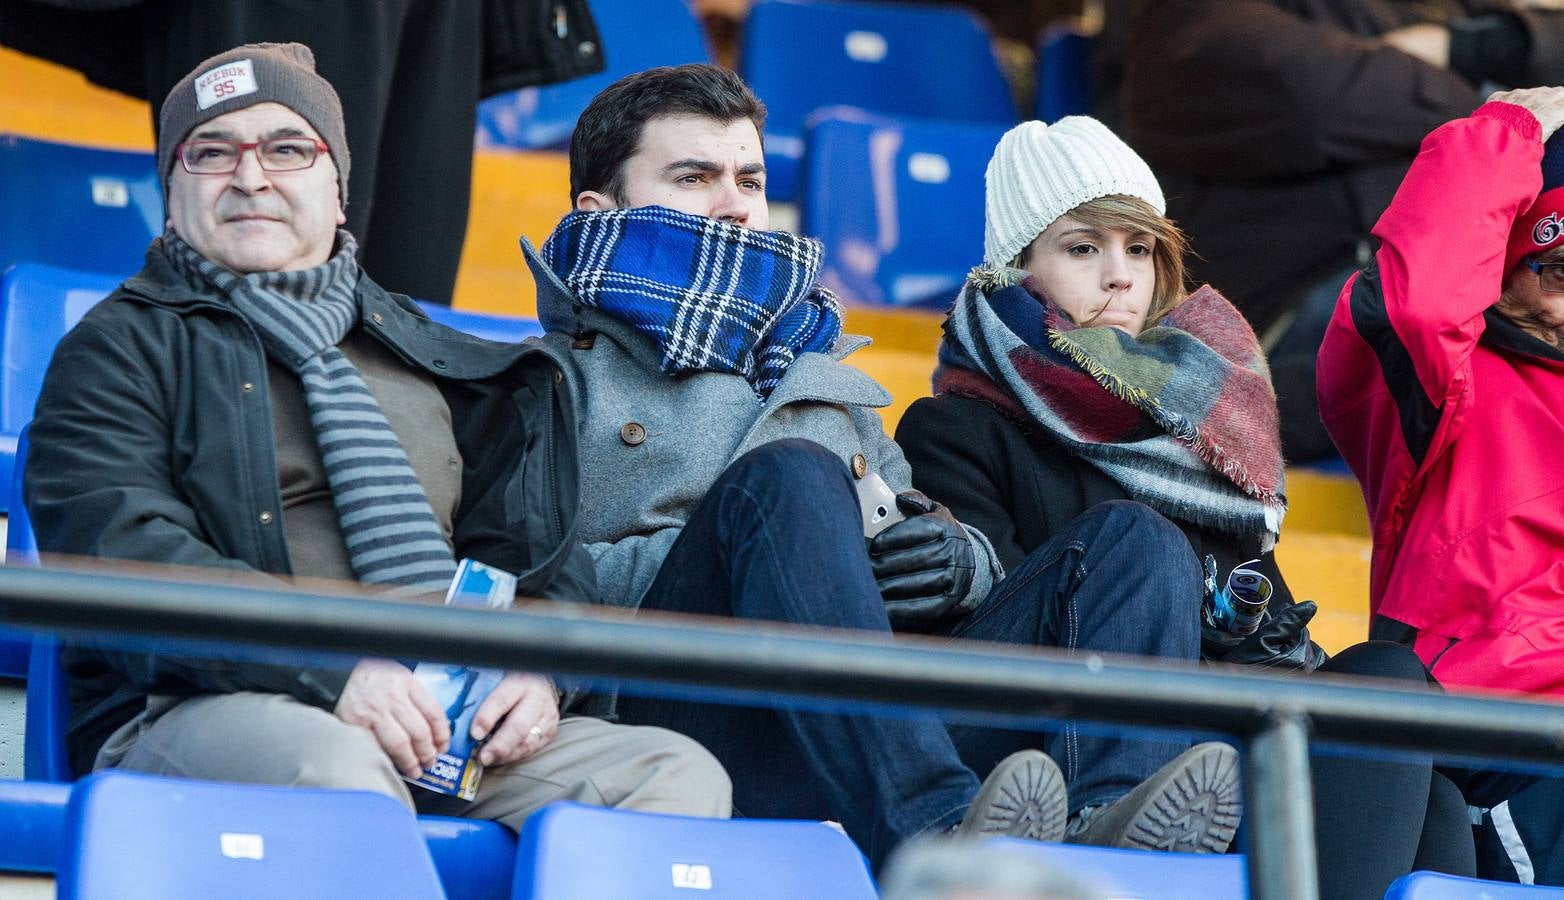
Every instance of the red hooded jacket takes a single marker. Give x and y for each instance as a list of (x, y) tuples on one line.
[(1453, 419)]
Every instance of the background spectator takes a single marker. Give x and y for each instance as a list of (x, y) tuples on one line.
[(1280, 129)]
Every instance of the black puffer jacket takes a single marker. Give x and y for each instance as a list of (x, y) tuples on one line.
[(153, 442), (1020, 489)]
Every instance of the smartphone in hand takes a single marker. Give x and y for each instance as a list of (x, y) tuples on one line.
[(877, 503)]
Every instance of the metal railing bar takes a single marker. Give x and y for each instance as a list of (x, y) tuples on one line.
[(1277, 791), (767, 660)]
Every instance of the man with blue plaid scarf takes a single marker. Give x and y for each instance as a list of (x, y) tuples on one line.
[(722, 437)]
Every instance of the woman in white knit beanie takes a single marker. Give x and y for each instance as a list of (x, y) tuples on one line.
[(1050, 186), (1075, 370)]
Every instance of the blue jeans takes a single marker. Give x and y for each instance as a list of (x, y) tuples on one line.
[(779, 538)]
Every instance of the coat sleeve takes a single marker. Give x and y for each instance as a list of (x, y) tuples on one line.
[(627, 567), (1394, 372), (955, 467), (99, 483), (886, 457), (1240, 89)]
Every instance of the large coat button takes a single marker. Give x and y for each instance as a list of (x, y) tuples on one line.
[(632, 434), (860, 465)]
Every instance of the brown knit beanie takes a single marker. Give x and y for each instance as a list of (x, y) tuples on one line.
[(245, 76)]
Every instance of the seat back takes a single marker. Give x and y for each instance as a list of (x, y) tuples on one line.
[(560, 856), (131, 836), (636, 35), (20, 549), (476, 859), (1064, 72), (1434, 886), (38, 304), (77, 207), (934, 62), (505, 329), (48, 707), (32, 825), (1142, 873), (909, 223)]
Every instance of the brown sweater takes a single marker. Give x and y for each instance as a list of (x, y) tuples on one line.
[(422, 422)]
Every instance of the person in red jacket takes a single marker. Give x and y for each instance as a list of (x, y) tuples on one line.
[(1441, 379)]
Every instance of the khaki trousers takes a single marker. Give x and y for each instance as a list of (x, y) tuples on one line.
[(257, 738)]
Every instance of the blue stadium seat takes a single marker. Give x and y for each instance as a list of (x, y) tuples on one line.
[(132, 836), (561, 857), (637, 34), (77, 207), (32, 825), (476, 860), (48, 711), (1141, 873), (20, 549), (933, 62), (1064, 72), (910, 223), (38, 304), (505, 329), (1433, 886)]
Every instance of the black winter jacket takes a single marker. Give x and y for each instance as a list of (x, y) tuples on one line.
[(1016, 486), (525, 42), (153, 441)]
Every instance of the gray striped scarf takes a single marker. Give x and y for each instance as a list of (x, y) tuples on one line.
[(391, 532)]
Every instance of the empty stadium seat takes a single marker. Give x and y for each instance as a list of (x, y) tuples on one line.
[(38, 304), (909, 223), (32, 825), (77, 207), (505, 329), (476, 859), (1142, 873), (1064, 72), (636, 35), (561, 857), (933, 62), (131, 836), (1433, 886)]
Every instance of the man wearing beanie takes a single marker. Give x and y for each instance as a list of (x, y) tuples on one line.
[(733, 462), (252, 401), (411, 74), (1440, 379)]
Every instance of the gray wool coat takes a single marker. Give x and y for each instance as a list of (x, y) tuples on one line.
[(652, 444)]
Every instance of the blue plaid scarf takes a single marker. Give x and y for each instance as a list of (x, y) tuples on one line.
[(714, 297)]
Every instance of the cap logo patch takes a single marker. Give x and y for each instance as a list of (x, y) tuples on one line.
[(1547, 230), (227, 81)]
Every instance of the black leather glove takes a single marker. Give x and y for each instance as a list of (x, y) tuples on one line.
[(922, 564), (1281, 642)]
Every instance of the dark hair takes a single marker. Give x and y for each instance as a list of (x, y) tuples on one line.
[(609, 130)]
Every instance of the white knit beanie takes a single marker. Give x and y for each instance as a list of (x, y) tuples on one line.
[(1040, 172)]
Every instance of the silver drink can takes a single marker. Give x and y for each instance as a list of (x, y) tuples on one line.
[(1248, 594)]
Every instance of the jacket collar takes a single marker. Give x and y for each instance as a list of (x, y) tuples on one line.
[(1501, 333)]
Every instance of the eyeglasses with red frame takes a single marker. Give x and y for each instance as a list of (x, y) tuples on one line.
[(281, 154)]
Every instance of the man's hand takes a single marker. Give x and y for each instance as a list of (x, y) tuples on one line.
[(923, 564), (1429, 43), (384, 697), (527, 710), (1546, 103)]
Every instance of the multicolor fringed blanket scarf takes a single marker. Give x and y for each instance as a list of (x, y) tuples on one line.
[(1182, 417), (714, 297)]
